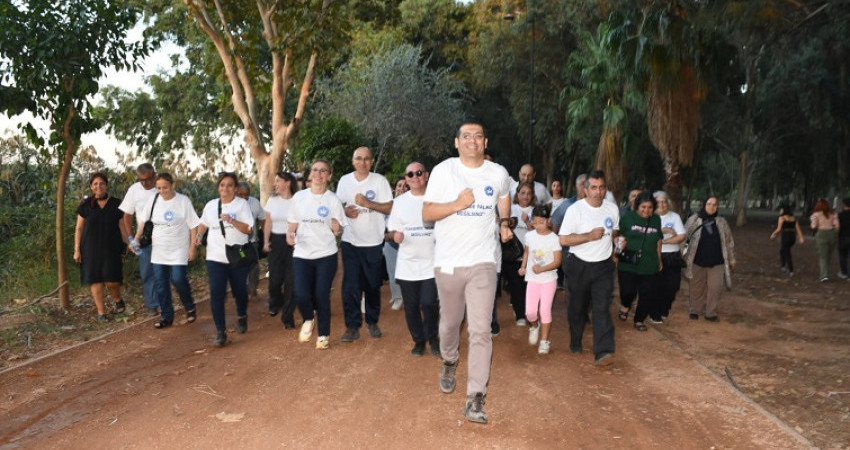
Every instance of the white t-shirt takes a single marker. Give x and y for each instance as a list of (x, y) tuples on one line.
[(581, 218), (136, 200), (172, 220), (541, 252), (556, 202), (278, 209), (239, 210), (521, 227), (671, 220), (415, 260), (467, 237), (314, 237), (367, 230), (540, 192), (259, 215)]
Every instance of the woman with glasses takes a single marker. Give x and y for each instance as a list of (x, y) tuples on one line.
[(670, 279), (281, 275), (175, 222), (316, 218), (228, 219)]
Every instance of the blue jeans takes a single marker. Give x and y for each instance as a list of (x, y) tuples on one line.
[(220, 274), (313, 278), (148, 282), (361, 275), (164, 276)]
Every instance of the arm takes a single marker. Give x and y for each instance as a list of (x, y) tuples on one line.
[(193, 251), (524, 262), (658, 252), (505, 212), (432, 212), (799, 232), (78, 238), (778, 227), (127, 220), (383, 208), (124, 230), (199, 233), (291, 228), (556, 262), (570, 240), (267, 233)]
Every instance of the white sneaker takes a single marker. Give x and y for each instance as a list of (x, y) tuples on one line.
[(322, 343), (306, 331), (396, 304), (544, 348), (521, 322), (533, 335)]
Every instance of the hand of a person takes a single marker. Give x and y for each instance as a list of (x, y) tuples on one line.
[(801, 240), (596, 233), (506, 233), (524, 217), (360, 200), (290, 239), (351, 211), (193, 251), (267, 247), (398, 237), (521, 271), (537, 269), (130, 249), (77, 256), (465, 199), (732, 266), (336, 227)]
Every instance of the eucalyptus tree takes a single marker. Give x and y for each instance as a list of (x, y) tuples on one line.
[(52, 55)]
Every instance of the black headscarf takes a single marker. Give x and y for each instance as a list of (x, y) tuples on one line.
[(703, 214)]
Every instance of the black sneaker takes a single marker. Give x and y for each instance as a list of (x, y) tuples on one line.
[(448, 381), (120, 306), (418, 349), (374, 331), (712, 319), (350, 335), (693, 316), (495, 329), (242, 325), (474, 410), (604, 359), (163, 323), (435, 346), (220, 339)]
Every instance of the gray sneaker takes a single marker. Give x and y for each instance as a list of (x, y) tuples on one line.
[(474, 410), (447, 377), (350, 335), (374, 331)]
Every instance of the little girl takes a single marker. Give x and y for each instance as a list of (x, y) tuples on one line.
[(540, 264)]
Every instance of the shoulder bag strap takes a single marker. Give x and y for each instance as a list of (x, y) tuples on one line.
[(150, 216), (220, 223)]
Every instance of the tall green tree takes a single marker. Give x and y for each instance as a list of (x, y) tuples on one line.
[(52, 55)]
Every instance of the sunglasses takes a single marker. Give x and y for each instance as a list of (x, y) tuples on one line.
[(418, 173)]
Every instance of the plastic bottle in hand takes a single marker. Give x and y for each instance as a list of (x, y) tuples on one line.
[(137, 249)]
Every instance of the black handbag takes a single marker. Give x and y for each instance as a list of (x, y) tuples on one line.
[(146, 239), (244, 255), (630, 256)]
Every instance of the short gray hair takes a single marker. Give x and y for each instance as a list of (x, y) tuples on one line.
[(661, 194)]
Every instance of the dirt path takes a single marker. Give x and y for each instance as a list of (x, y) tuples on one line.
[(147, 388)]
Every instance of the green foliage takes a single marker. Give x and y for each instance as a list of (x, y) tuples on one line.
[(333, 139), (404, 107)]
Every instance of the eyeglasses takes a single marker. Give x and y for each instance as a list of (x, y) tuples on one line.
[(319, 170), (412, 174), (363, 158)]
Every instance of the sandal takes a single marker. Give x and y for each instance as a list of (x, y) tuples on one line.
[(191, 316), (640, 326), (120, 306), (623, 315), (162, 323)]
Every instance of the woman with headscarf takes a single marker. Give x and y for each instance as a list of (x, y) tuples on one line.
[(98, 244), (710, 260), (824, 223)]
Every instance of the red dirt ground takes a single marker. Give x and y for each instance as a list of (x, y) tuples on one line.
[(785, 343)]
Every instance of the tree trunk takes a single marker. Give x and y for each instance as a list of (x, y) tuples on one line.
[(741, 203), (62, 267)]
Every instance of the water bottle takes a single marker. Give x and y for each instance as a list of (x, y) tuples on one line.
[(137, 249)]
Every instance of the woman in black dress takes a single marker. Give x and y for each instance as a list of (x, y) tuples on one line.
[(99, 240)]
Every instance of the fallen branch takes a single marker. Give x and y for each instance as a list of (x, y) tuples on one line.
[(34, 301), (731, 378), (831, 393)]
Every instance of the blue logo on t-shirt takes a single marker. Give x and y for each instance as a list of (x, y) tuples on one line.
[(232, 215), (609, 223), (370, 195), (489, 191), (323, 211), (668, 225), (169, 216)]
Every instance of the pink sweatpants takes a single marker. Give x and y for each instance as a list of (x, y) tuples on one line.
[(540, 295)]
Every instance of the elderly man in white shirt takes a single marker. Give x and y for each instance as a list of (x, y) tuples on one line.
[(134, 202), (527, 174)]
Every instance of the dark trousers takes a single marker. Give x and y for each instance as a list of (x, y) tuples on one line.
[(421, 308), (164, 276), (646, 286), (313, 278), (281, 278), (785, 251), (361, 277), (590, 286), (844, 255), (669, 282), (220, 274), (517, 287)]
